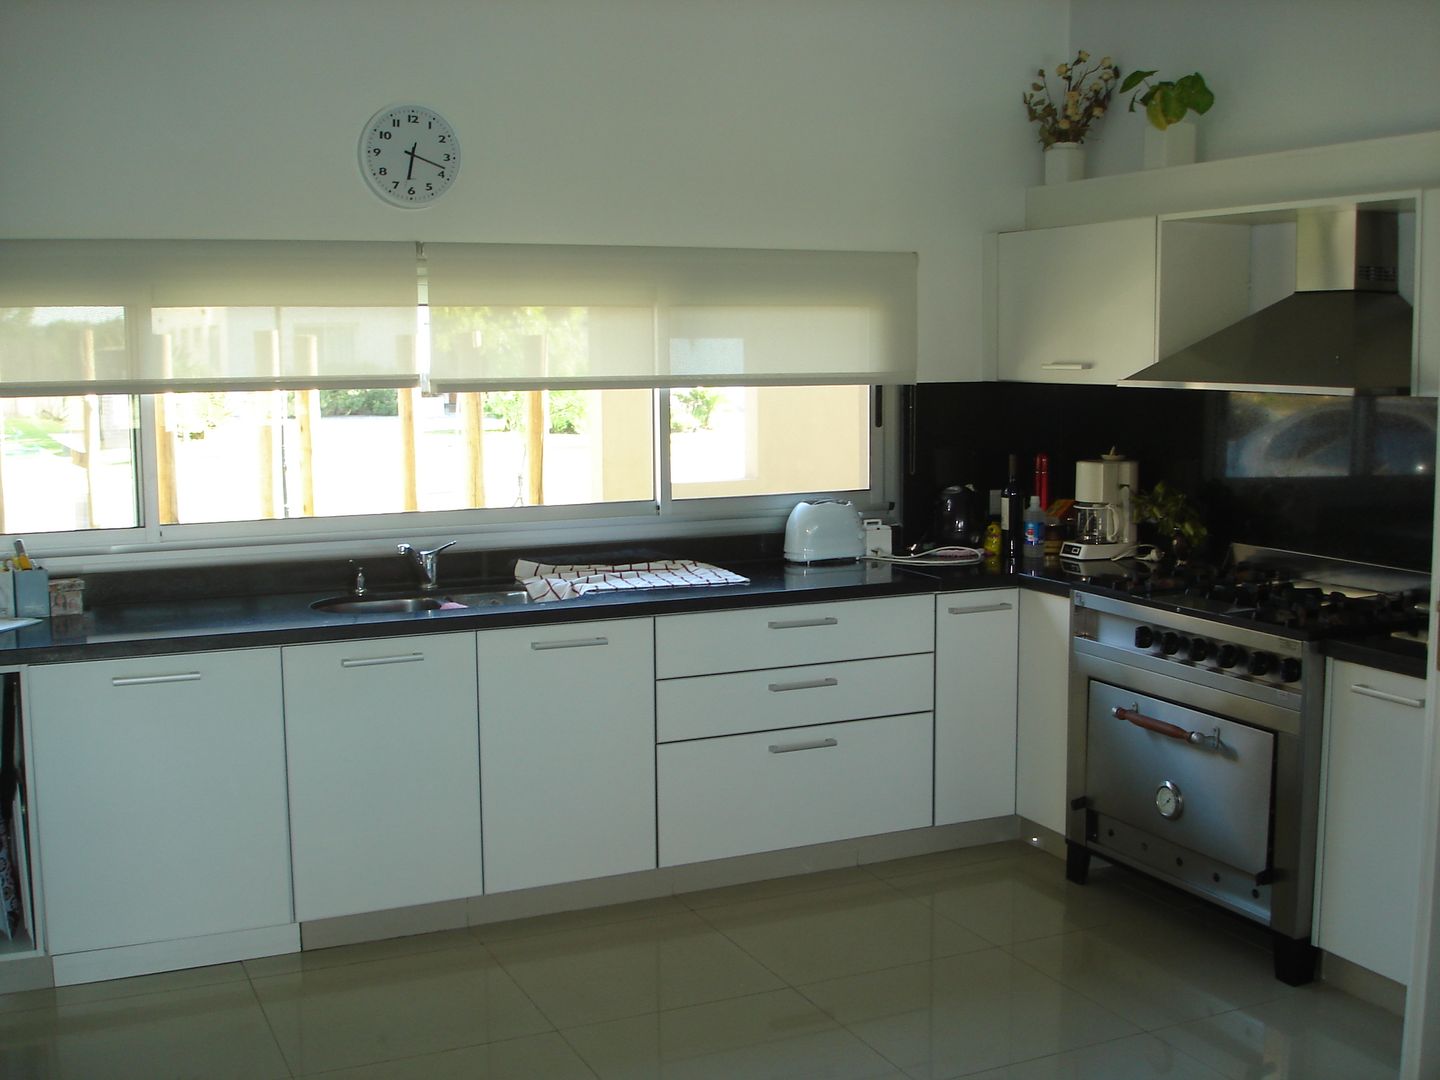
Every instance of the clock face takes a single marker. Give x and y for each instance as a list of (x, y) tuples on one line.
[(409, 155)]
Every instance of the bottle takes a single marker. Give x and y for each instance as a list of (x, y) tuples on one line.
[(1012, 510), (1033, 528), (1042, 480)]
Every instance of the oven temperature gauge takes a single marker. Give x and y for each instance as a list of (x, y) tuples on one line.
[(1168, 800)]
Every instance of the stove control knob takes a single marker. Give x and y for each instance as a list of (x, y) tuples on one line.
[(1261, 663), (1290, 669), (1171, 643), (1144, 637), (1199, 650), (1229, 656)]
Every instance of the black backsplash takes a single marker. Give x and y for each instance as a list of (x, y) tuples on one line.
[(1348, 478)]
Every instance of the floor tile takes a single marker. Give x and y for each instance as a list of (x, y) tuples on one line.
[(534, 1057), (782, 886), (623, 969), (1157, 970), (209, 1031), (1314, 1033), (960, 1014), (340, 955), (805, 937), (358, 1014), (1140, 1057), (109, 989), (760, 1037), (575, 920), (943, 860)]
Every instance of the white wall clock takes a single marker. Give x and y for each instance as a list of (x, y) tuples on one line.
[(409, 155)]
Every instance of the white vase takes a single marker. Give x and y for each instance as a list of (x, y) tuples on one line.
[(1173, 146), (1064, 162)]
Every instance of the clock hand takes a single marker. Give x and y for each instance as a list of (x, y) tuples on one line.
[(411, 170), (427, 161)]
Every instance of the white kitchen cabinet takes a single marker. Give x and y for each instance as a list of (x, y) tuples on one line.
[(567, 751), (975, 645), (383, 753), (1427, 297), (1042, 701), (1369, 872), (160, 797), (1076, 304)]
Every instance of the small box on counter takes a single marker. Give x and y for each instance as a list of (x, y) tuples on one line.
[(32, 593), (67, 596), (7, 596)]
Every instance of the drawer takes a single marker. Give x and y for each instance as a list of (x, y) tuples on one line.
[(718, 641), (760, 792), (706, 705)]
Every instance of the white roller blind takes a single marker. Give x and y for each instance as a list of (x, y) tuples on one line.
[(506, 317), (141, 316)]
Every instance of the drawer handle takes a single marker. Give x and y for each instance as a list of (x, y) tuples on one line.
[(797, 624), (577, 643), (1396, 699), (813, 744), (978, 610), (1067, 365), (809, 684), (154, 680), (376, 661)]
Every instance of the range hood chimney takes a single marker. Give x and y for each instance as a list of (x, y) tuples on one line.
[(1344, 331)]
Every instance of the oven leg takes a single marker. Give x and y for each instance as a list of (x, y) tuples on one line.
[(1077, 862), (1294, 960)]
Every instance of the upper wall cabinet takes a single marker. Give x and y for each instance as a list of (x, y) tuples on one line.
[(1076, 304)]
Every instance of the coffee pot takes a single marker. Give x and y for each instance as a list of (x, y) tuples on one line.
[(1105, 523)]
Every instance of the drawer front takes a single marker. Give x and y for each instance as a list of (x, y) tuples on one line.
[(747, 793), (709, 705), (719, 641)]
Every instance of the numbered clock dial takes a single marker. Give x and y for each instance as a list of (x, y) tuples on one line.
[(409, 155)]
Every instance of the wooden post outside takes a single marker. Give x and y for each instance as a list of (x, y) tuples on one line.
[(473, 414), (535, 447), (270, 408), (165, 441), (408, 398), (307, 409), (91, 411)]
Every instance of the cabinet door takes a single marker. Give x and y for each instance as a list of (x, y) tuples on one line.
[(974, 705), (384, 773), (1042, 700), (567, 751), (1370, 852), (1077, 304), (160, 790)]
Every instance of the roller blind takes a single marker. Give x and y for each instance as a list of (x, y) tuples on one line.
[(524, 317), (97, 317)]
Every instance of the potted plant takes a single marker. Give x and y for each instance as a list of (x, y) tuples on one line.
[(1177, 522), (1169, 139), (1066, 114)]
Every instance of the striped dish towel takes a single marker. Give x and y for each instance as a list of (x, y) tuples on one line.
[(546, 582)]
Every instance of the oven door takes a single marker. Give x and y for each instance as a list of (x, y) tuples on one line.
[(1192, 779)]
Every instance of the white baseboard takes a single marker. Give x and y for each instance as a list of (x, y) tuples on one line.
[(153, 956)]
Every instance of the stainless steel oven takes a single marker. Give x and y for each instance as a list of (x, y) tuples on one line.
[(1194, 757)]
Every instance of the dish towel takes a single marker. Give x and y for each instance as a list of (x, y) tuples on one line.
[(547, 582)]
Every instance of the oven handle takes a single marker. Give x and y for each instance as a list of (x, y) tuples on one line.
[(1161, 727)]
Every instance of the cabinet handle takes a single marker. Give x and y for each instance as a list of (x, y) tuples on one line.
[(153, 680), (809, 684), (1396, 699), (978, 610), (797, 624), (376, 661), (813, 744), (577, 643), (1067, 365)]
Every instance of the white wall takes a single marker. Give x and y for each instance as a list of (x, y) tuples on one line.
[(869, 124), (1286, 73)]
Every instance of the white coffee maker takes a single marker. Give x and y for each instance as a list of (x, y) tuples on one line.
[(1104, 518)]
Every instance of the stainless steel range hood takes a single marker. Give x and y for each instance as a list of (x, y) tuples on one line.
[(1344, 331)]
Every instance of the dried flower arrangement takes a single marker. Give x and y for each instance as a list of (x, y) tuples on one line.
[(1084, 99)]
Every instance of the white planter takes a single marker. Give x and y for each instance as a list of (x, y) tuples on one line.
[(1064, 162), (1173, 146)]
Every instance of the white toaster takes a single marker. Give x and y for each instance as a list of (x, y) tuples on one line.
[(824, 529)]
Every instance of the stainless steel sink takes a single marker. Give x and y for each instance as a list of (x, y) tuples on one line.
[(498, 596)]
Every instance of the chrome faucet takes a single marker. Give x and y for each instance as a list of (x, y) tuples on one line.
[(426, 563)]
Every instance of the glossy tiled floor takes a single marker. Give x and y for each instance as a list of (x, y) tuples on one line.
[(978, 963)]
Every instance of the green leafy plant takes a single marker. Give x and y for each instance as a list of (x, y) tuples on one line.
[(1082, 98), (1172, 513), (698, 405), (1166, 103)]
